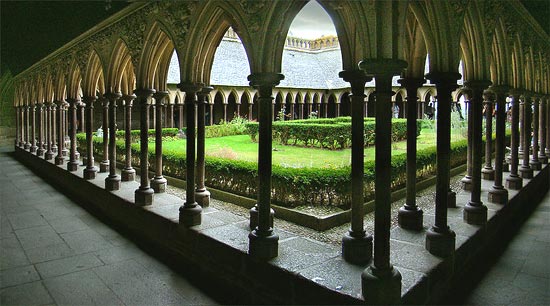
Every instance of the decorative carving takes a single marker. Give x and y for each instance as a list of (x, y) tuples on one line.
[(255, 9)]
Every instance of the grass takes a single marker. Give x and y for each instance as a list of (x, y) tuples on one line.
[(242, 148)]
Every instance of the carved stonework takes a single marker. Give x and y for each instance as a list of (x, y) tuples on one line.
[(256, 11), (177, 16)]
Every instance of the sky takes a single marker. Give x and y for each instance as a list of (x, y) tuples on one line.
[(312, 22)]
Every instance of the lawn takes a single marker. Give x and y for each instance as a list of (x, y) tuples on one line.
[(242, 148)]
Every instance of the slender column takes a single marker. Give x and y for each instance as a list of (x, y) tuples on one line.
[(59, 159), (82, 107), (73, 163), (488, 173), (525, 170), (90, 171), (440, 239), (475, 212), (49, 153), (356, 244), (112, 181), (467, 179), (33, 147), (20, 114), (410, 216), (201, 194), (104, 164), (498, 194), (128, 172), (26, 128), (17, 127), (65, 151), (542, 130), (144, 194), (190, 213), (514, 181), (521, 120), (171, 115), (53, 126), (40, 150), (180, 117), (158, 183), (535, 163), (263, 242), (547, 149)]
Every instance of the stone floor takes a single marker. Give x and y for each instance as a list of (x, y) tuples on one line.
[(54, 252)]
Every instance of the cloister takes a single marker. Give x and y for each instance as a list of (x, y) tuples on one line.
[(123, 63)]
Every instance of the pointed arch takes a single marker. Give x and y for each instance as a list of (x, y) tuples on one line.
[(93, 77), (74, 79), (120, 61), (157, 40)]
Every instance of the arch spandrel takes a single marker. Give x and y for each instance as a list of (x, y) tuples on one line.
[(93, 80), (156, 39), (120, 62)]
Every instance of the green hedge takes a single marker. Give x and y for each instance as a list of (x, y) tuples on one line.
[(134, 134), (334, 133)]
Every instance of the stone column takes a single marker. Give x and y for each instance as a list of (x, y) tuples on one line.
[(440, 239), (40, 150), (525, 170), (521, 120), (498, 194), (90, 171), (17, 127), (65, 151), (202, 195), (381, 282), (49, 153), (53, 126), (82, 107), (59, 159), (171, 115), (73, 163), (514, 181), (467, 179), (190, 213), (21, 126), (144, 194), (180, 118), (542, 130), (158, 183), (112, 181), (547, 149), (33, 147), (475, 212), (356, 244), (410, 216), (104, 164), (263, 242), (128, 173), (535, 163), (488, 173), (27, 145)]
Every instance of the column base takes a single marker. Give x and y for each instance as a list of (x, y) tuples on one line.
[(112, 183), (475, 213), (526, 172), (514, 182), (158, 183), (254, 217), (65, 152), (498, 195), (535, 164), (90, 173), (48, 155), (451, 199), (27, 146), (33, 149), (59, 160), (143, 196), (128, 174), (440, 242), (357, 250), (77, 155), (72, 165), (543, 158), (263, 247), (488, 174), (466, 183), (202, 197), (381, 287), (54, 148), (104, 166), (190, 215), (410, 219), (40, 152)]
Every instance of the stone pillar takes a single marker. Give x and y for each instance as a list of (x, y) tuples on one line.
[(90, 171), (381, 282), (104, 164), (202, 195), (27, 145), (40, 150), (171, 115), (180, 118), (21, 126), (488, 173), (190, 213), (158, 183), (542, 130), (33, 147), (49, 153), (263, 242), (82, 107), (72, 165), (112, 181), (410, 216), (521, 120), (514, 181), (17, 127), (53, 126), (498, 194), (356, 244), (59, 159), (440, 239), (547, 149), (535, 163), (525, 170), (128, 173), (475, 212), (467, 179), (144, 194), (65, 150)]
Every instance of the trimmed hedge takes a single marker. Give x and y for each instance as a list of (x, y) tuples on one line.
[(134, 134), (333, 133)]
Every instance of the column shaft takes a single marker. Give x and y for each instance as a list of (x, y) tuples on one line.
[(59, 159), (201, 194), (128, 173), (542, 131), (33, 147), (159, 182), (104, 164), (144, 194), (525, 170), (498, 194), (535, 163), (488, 173), (91, 170), (72, 165), (514, 181)]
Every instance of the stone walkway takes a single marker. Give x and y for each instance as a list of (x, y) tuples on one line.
[(521, 276), (54, 252)]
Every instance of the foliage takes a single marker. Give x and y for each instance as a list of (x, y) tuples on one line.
[(235, 127)]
